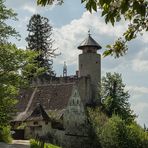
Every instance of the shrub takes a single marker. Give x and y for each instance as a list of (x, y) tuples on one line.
[(117, 134), (38, 144), (5, 134), (97, 120), (114, 133)]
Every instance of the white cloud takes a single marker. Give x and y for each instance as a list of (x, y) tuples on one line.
[(140, 63), (141, 110), (144, 37), (30, 8), (68, 37), (140, 107), (138, 89)]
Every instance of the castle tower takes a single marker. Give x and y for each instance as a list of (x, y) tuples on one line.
[(90, 63)]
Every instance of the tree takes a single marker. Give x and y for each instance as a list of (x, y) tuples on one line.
[(15, 66), (39, 39), (97, 120), (116, 133), (133, 11), (114, 97), (5, 30)]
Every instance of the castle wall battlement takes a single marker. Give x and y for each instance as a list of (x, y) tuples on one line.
[(57, 80)]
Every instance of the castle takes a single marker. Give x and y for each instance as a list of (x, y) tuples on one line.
[(56, 109)]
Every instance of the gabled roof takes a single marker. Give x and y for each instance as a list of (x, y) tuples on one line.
[(89, 42), (38, 114), (52, 97)]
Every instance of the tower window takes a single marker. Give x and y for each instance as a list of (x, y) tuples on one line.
[(81, 65), (89, 51)]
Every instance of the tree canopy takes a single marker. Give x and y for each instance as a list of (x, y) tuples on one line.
[(133, 11), (40, 40), (6, 30), (114, 132), (115, 97), (16, 66)]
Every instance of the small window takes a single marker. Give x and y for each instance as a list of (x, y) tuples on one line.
[(46, 122), (35, 123), (81, 65), (89, 51)]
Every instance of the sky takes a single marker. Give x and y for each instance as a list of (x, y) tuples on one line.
[(71, 23)]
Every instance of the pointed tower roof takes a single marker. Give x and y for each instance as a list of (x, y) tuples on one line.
[(89, 42)]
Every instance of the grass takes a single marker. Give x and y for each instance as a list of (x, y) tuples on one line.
[(37, 144)]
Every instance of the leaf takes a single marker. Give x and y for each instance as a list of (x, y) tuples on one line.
[(107, 52), (103, 13), (94, 6), (108, 46), (124, 6), (112, 20), (82, 1)]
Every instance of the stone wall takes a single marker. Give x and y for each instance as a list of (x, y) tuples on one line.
[(36, 128)]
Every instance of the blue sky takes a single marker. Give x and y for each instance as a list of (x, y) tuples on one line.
[(71, 23)]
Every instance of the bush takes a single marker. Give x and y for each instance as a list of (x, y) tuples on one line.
[(114, 134), (97, 120), (137, 136), (117, 134), (5, 134), (38, 144)]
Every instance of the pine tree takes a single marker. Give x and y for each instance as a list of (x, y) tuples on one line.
[(39, 39), (115, 97)]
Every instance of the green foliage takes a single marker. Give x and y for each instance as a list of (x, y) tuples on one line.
[(97, 119), (48, 2), (22, 126), (134, 11), (40, 40), (6, 30), (116, 133), (118, 49), (138, 138), (115, 98), (112, 124), (16, 66), (38, 144), (5, 135)]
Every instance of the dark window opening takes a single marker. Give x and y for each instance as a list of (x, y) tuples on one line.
[(89, 51), (35, 123)]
